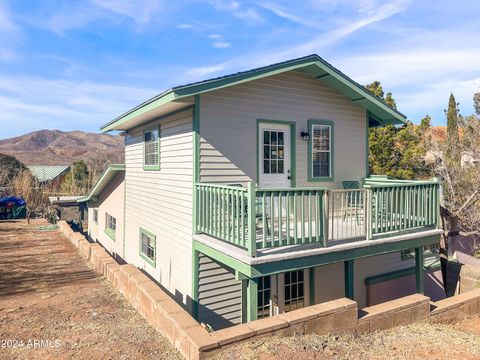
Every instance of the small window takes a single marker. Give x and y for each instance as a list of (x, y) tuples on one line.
[(147, 246), (151, 153), (95, 216), (110, 225), (320, 151)]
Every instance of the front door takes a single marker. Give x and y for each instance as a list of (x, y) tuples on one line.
[(274, 155)]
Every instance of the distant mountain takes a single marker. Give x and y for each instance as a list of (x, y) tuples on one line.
[(55, 147)]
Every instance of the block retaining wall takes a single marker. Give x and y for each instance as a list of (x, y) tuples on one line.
[(194, 342)]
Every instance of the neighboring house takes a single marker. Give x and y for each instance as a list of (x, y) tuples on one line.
[(232, 196), (48, 174)]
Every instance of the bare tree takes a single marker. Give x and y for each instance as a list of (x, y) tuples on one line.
[(458, 165), (98, 162), (26, 186)]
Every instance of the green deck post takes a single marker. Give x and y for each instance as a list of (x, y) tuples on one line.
[(251, 219), (195, 274), (252, 294), (349, 279), (419, 269)]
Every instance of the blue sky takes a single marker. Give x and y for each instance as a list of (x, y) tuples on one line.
[(77, 64)]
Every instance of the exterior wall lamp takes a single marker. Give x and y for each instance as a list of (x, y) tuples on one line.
[(305, 136)]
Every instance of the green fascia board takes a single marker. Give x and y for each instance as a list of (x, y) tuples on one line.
[(153, 103), (304, 262), (105, 178), (311, 64), (337, 256)]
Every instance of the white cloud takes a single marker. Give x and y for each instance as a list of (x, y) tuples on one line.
[(64, 104), (215, 36), (81, 15), (10, 35), (141, 11), (221, 44)]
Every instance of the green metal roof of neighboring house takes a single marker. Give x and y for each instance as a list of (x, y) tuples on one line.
[(380, 112), (45, 173), (104, 180)]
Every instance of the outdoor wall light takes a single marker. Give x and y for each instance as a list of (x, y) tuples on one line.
[(305, 136)]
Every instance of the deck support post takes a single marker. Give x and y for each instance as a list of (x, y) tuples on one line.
[(349, 279), (251, 219), (419, 275), (195, 276), (251, 299)]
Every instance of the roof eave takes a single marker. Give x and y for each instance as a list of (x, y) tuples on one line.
[(98, 185), (369, 101)]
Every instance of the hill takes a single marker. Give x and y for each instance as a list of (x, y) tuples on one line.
[(55, 147)]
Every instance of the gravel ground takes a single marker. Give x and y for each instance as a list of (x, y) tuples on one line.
[(49, 293), (416, 341)]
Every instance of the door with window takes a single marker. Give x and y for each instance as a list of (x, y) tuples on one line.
[(274, 155), (282, 293)]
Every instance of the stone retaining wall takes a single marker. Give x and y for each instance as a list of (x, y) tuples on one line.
[(173, 322)]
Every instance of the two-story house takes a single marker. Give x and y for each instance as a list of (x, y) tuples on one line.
[(249, 195)]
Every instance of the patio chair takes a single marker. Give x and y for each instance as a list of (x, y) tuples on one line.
[(354, 199)]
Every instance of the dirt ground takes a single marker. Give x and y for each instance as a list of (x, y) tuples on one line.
[(48, 293), (417, 341)]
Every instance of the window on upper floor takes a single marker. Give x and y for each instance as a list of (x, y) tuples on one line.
[(151, 149), (320, 165), (147, 246)]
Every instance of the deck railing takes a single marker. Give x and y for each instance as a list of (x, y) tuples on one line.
[(289, 216), (253, 218)]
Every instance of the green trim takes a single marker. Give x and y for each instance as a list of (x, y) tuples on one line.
[(223, 258), (162, 117), (293, 148), (151, 167), (311, 123), (311, 64), (105, 178), (195, 281), (124, 215), (142, 255), (377, 279), (419, 276), (196, 160), (110, 233), (252, 299), (277, 267), (311, 274), (349, 279), (367, 145)]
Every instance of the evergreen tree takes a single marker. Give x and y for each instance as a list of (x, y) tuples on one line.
[(452, 126), (397, 151), (476, 103)]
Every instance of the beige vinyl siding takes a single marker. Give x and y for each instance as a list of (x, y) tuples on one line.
[(330, 283), (110, 201), (160, 201), (220, 295), (228, 125)]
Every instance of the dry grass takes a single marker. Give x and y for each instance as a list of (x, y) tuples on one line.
[(416, 341), (47, 292)]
